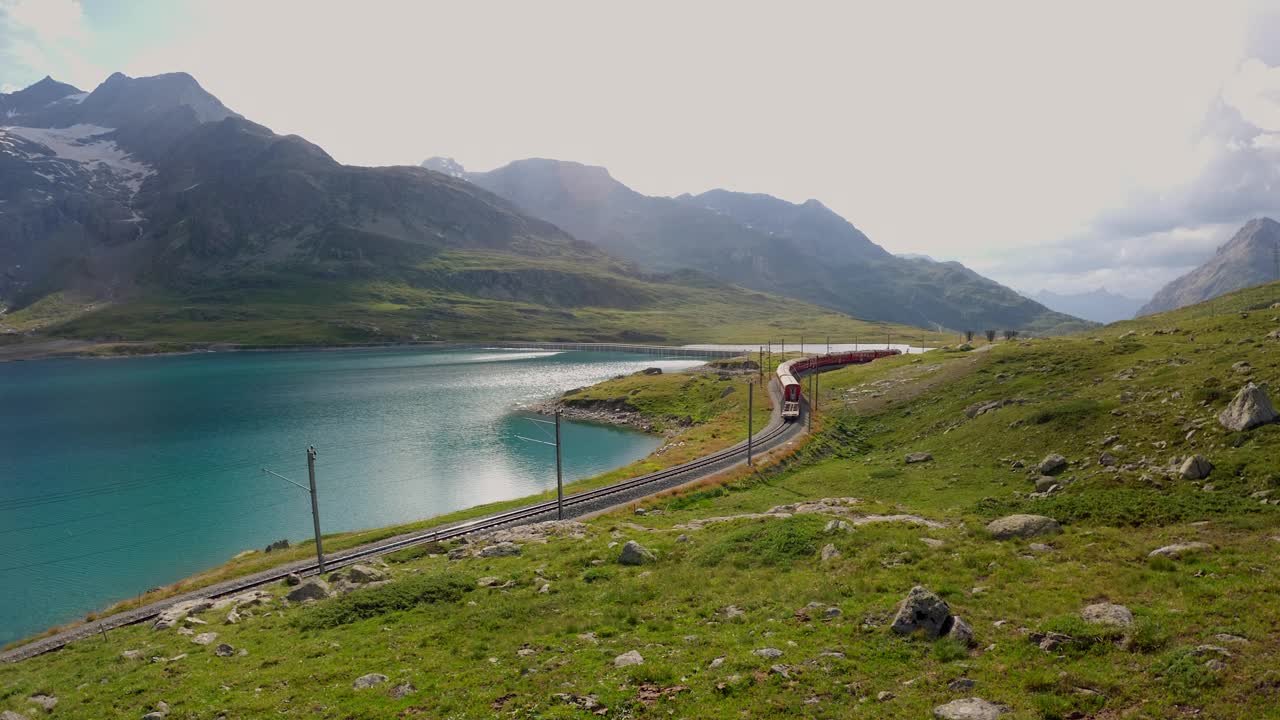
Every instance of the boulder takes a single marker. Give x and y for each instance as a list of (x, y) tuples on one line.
[(1106, 459), (969, 709), (1046, 483), (1107, 614), (922, 611), (1196, 467), (1052, 464), (365, 682), (651, 371), (361, 574), (311, 589), (46, 702), (176, 612), (829, 552), (402, 690), (502, 549), (961, 631), (205, 638), (633, 553), (1250, 408), (628, 658), (767, 652), (1023, 526), (224, 650), (1177, 550), (918, 457), (293, 579)]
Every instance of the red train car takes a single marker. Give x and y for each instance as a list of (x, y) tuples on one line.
[(788, 370)]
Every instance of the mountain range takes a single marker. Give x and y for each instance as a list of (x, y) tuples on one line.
[(146, 209), (1098, 305), (805, 251), (1250, 257)]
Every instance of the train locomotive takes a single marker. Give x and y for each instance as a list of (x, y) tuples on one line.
[(788, 370)]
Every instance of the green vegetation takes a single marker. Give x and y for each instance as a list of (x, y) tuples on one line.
[(455, 296), (541, 639), (378, 601)]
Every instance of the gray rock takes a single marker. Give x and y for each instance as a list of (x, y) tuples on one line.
[(969, 709), (149, 716), (682, 538), (1250, 408), (1196, 467), (502, 549), (918, 457), (365, 682), (311, 589), (1040, 548), (961, 684), (628, 658), (1106, 459), (961, 631), (1242, 367), (1046, 483), (402, 690), (1023, 526), (1052, 464), (829, 552), (488, 581), (11, 715), (884, 696), (47, 702), (837, 526), (1177, 550), (633, 553), (1107, 614), (205, 638), (922, 611), (361, 574), (224, 650), (131, 654), (293, 579), (767, 652)]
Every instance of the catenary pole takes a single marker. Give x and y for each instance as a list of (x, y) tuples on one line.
[(750, 403), (315, 504), (559, 477)]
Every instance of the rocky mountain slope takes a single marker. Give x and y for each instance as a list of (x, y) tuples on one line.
[(1250, 257), (804, 251), (1098, 305), (146, 209)]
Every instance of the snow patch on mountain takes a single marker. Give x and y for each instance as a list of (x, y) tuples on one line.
[(85, 145)]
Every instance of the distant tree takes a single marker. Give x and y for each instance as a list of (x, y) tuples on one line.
[(1010, 334), (991, 335)]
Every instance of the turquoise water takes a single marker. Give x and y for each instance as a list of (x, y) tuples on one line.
[(118, 476)]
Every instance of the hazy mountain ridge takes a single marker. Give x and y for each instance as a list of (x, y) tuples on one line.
[(1099, 305), (804, 250), (1250, 257)]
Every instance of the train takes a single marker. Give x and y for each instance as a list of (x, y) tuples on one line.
[(789, 369)]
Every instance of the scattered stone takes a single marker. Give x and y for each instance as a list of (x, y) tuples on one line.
[(1045, 484), (364, 682), (717, 662), (402, 690), (1050, 641), (961, 684), (1242, 367), (922, 611), (779, 670), (1040, 548), (918, 457), (633, 553), (1196, 467), (1022, 526), (1177, 550), (631, 657), (1215, 665), (361, 574), (1229, 638), (205, 638), (311, 589), (651, 371), (1202, 650), (131, 654), (884, 696), (224, 650), (293, 579), (588, 637), (1106, 459), (176, 612), (11, 715), (47, 702), (837, 526), (1250, 408), (969, 709), (830, 552), (502, 549), (932, 542), (1052, 464), (488, 581), (767, 652), (1107, 614), (545, 589), (682, 538)]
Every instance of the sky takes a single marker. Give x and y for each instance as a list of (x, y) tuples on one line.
[(1065, 146)]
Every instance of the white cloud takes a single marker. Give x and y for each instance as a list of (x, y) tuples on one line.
[(47, 37), (1255, 91)]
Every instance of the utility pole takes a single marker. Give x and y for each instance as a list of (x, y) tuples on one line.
[(750, 403), (828, 344), (784, 349), (315, 504), (556, 444), (559, 478), (801, 346), (762, 364), (888, 340), (812, 398)]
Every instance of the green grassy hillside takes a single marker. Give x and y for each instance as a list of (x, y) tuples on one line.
[(744, 617), (455, 296)]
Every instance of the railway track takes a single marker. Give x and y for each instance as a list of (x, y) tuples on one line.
[(774, 434)]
